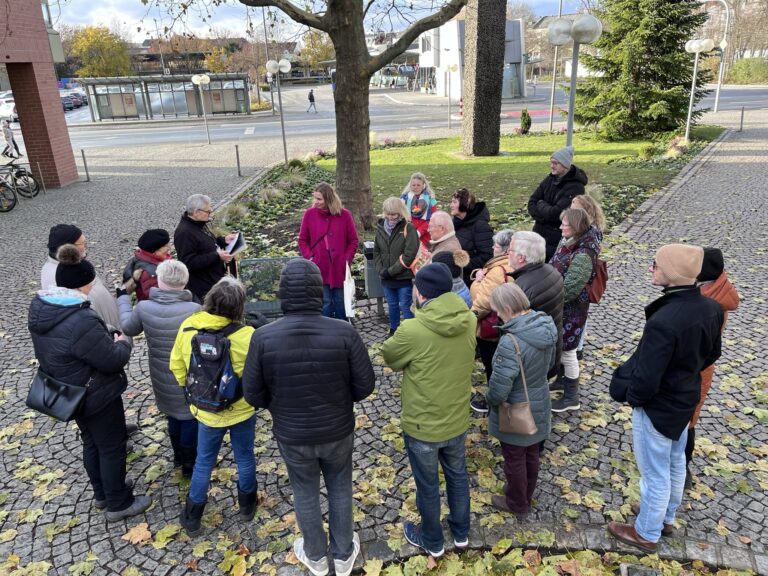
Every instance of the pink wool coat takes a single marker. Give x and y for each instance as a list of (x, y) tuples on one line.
[(330, 242)]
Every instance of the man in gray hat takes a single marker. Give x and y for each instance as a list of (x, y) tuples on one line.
[(554, 195)]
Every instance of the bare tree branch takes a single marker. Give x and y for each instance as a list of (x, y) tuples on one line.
[(414, 31), (294, 13), (368, 7)]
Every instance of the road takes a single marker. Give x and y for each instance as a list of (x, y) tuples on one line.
[(385, 111)]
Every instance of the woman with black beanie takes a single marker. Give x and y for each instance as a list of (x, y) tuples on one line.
[(72, 344)]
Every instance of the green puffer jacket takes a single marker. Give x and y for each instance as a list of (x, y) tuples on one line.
[(536, 335), (387, 249), (436, 352)]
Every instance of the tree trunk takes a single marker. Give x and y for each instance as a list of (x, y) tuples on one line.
[(353, 179), (484, 45)]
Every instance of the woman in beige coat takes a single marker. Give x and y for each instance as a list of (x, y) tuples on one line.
[(485, 280)]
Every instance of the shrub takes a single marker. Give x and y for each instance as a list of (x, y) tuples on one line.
[(295, 163), (525, 121), (749, 71), (389, 142), (373, 139), (270, 193), (647, 152), (264, 105), (233, 214), (264, 87)]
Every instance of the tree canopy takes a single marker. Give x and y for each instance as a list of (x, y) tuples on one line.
[(101, 52)]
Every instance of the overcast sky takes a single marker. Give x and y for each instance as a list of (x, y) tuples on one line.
[(132, 14)]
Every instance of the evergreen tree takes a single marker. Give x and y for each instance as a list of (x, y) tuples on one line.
[(645, 73)]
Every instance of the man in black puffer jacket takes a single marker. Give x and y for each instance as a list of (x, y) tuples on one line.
[(554, 195), (308, 370), (542, 284)]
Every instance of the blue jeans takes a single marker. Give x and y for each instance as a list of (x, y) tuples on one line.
[(398, 300), (208, 445), (424, 458), (305, 464), (661, 462), (333, 303)]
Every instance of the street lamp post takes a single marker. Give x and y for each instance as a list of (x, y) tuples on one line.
[(695, 47), (274, 67), (723, 45), (585, 29), (201, 80), (451, 68)]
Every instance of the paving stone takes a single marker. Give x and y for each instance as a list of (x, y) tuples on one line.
[(736, 558), (701, 551)]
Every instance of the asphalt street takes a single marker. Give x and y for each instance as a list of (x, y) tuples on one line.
[(390, 110)]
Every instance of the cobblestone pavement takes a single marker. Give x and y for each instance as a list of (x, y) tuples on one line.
[(588, 475)]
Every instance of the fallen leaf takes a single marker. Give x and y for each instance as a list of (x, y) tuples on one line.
[(532, 558), (138, 535), (192, 565), (745, 539)]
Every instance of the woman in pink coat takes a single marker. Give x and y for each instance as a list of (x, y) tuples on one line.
[(328, 238)]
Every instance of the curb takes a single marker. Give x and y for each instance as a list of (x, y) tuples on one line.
[(656, 202), (441, 105), (239, 119)]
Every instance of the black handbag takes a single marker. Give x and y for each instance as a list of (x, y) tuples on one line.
[(54, 397)]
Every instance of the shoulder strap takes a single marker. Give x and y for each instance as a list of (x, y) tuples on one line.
[(228, 330), (520, 361)]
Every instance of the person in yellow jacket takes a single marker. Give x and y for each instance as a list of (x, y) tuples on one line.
[(223, 304)]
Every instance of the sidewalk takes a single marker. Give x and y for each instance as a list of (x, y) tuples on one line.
[(587, 477)]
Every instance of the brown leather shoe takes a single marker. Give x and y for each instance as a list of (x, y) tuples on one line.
[(627, 534), (666, 530)]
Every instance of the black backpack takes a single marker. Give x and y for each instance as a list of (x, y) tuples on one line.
[(211, 383)]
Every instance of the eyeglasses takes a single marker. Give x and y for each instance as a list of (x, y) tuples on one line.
[(209, 212), (654, 266)]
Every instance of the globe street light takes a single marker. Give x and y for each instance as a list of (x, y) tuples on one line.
[(695, 47), (274, 67), (201, 80), (586, 29)]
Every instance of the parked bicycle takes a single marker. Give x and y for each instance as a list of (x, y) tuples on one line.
[(20, 179), (8, 197)]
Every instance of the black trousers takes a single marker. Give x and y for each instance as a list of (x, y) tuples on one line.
[(104, 454), (487, 349)]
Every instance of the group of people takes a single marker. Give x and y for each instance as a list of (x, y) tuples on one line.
[(463, 292)]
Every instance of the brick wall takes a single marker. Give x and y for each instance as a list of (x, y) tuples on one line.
[(25, 50)]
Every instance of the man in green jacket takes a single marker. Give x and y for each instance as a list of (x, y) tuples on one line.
[(436, 352)]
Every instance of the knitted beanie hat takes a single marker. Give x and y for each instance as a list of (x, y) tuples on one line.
[(154, 239), (564, 156), (73, 272), (712, 266), (680, 263), (62, 234), (434, 280)]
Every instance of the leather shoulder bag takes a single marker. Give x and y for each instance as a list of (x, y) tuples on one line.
[(54, 397), (517, 418)]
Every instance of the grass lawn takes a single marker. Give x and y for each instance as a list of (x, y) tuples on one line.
[(505, 182)]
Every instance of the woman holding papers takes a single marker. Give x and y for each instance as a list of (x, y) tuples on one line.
[(204, 253)]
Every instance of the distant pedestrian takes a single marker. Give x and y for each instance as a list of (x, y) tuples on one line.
[(10, 142), (714, 283), (525, 353), (223, 309), (199, 248), (436, 352), (311, 98), (159, 317), (395, 247), (328, 238), (554, 195), (309, 371), (661, 382)]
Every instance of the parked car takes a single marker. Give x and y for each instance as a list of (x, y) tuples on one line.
[(82, 96), (67, 104), (8, 109)]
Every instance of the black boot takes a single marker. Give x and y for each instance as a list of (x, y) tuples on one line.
[(176, 445), (557, 384), (188, 455), (570, 398), (247, 502), (191, 516)]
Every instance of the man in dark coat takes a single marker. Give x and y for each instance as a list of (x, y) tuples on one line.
[(308, 370), (196, 246), (661, 381), (542, 284), (554, 195)]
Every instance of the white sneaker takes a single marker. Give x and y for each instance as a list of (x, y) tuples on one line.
[(344, 567), (317, 567)]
